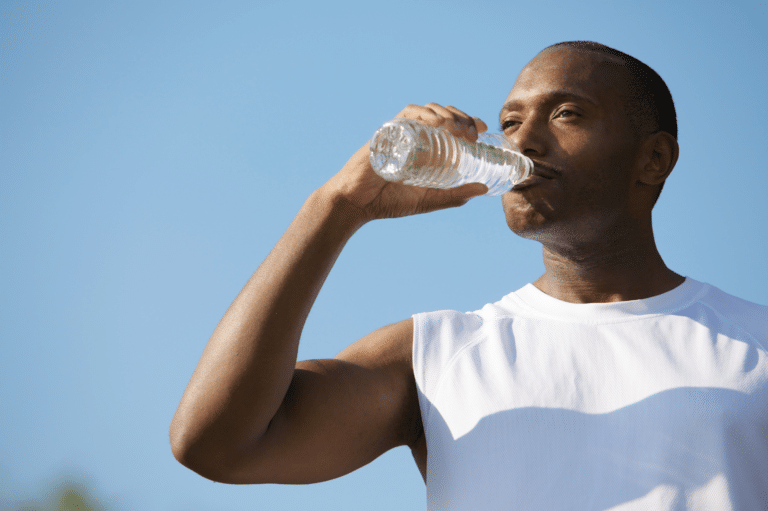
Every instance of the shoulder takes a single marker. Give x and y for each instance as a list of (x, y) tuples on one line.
[(389, 346), (450, 330), (441, 336), (748, 316), (438, 335), (730, 303)]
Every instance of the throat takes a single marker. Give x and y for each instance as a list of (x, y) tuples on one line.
[(630, 272)]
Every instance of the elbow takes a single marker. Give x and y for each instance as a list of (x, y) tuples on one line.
[(193, 455), (197, 464), (181, 450), (205, 458)]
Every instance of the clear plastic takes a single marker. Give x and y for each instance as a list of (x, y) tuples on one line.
[(421, 155)]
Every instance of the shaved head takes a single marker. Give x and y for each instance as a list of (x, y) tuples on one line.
[(648, 103)]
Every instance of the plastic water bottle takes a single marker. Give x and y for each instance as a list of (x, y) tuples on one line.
[(421, 155)]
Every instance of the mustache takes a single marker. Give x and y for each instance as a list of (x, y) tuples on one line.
[(545, 170)]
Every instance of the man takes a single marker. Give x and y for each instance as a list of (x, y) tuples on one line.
[(610, 382)]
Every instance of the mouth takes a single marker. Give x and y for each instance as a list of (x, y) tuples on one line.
[(541, 173)]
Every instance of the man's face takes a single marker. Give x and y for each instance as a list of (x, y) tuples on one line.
[(566, 113)]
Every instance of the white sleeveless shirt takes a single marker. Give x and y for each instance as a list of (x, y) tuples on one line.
[(660, 404)]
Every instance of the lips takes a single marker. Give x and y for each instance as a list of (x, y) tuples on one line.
[(545, 171), (541, 173)]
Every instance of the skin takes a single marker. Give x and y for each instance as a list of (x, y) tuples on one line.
[(252, 414), (593, 216)]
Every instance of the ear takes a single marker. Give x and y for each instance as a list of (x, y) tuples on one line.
[(660, 152)]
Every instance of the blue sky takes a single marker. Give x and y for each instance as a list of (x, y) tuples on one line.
[(152, 153)]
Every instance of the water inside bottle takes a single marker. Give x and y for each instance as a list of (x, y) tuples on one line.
[(418, 155)]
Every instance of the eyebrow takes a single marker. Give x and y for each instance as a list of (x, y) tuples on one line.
[(552, 95)]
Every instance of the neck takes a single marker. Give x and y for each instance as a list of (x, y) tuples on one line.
[(622, 265)]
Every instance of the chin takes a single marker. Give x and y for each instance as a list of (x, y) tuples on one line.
[(533, 234), (526, 229), (528, 218), (527, 224), (537, 228)]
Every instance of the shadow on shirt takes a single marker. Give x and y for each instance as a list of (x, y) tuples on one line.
[(687, 446)]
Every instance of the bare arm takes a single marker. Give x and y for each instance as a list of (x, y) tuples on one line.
[(252, 414)]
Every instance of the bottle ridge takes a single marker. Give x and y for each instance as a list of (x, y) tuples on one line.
[(420, 155)]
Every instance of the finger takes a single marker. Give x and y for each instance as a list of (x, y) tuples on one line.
[(451, 112), (436, 115), (422, 114), (481, 126), (459, 114), (448, 113), (451, 118), (457, 122)]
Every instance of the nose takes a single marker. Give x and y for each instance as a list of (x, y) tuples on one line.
[(529, 137)]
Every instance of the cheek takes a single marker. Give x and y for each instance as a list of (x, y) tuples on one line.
[(598, 171)]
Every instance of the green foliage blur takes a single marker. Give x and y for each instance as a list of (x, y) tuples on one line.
[(67, 495)]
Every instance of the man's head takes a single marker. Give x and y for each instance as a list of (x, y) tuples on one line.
[(648, 104), (602, 128)]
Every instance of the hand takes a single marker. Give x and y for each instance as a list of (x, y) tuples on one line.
[(377, 198)]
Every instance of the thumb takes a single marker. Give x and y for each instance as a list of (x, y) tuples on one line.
[(435, 198), (469, 190)]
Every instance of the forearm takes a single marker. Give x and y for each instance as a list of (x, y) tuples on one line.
[(248, 364)]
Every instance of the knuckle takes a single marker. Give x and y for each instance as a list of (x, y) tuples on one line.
[(411, 108), (456, 111)]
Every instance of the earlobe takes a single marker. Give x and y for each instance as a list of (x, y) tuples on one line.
[(661, 151)]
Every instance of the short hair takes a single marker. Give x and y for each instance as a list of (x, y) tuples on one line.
[(649, 105)]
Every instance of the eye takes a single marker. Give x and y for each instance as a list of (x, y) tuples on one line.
[(508, 123), (566, 113)]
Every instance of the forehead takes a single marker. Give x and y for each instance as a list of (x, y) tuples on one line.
[(561, 72)]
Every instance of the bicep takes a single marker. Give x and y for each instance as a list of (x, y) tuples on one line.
[(340, 414)]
